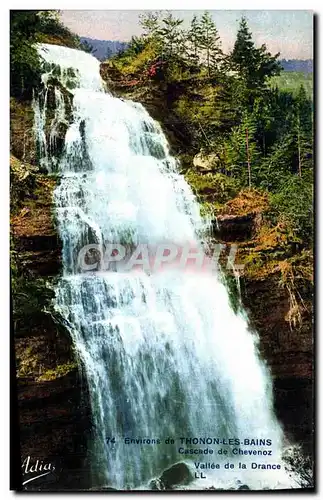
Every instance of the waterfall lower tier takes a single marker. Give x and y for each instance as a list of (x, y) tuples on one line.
[(165, 356)]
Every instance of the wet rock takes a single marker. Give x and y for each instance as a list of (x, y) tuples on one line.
[(103, 488), (155, 485), (178, 474), (53, 415), (235, 227), (22, 140)]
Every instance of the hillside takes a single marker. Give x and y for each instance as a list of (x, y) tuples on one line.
[(291, 81), (298, 65), (104, 49)]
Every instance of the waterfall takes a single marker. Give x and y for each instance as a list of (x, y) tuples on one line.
[(164, 354)]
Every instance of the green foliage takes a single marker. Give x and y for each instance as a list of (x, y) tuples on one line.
[(24, 59), (216, 187), (87, 47), (209, 42), (27, 27), (150, 24), (30, 295), (50, 24), (290, 142), (233, 288), (137, 45), (254, 65), (193, 37), (202, 109), (241, 158), (164, 32), (302, 130), (57, 372), (129, 63), (290, 81), (258, 126), (293, 204)]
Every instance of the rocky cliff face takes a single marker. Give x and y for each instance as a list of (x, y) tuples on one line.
[(277, 293), (54, 417)]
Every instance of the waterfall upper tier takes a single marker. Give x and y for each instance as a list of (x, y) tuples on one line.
[(74, 68)]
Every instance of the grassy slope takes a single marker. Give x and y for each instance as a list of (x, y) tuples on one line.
[(291, 81)]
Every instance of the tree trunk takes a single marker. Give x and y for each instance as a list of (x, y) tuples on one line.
[(208, 52), (248, 157), (299, 148)]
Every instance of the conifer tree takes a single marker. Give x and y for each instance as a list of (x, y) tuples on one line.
[(243, 55), (209, 42), (303, 130), (150, 23), (194, 37), (252, 64), (242, 154), (171, 36)]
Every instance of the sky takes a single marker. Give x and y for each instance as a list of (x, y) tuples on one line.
[(289, 32)]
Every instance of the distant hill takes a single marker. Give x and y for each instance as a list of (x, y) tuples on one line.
[(299, 65), (103, 49)]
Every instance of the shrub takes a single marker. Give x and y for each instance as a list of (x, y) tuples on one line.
[(213, 187), (294, 203)]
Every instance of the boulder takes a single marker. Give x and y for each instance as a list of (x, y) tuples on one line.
[(177, 474), (236, 227), (204, 163)]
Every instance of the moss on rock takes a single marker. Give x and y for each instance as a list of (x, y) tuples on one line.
[(22, 141)]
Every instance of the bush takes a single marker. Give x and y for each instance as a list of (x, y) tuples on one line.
[(27, 27), (24, 59), (294, 203), (131, 62), (213, 187)]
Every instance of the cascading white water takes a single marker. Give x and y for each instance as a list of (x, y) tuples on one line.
[(190, 368)]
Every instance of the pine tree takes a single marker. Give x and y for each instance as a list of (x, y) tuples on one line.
[(194, 37), (242, 154), (87, 47), (303, 132), (171, 36), (209, 42), (253, 64), (244, 52), (277, 166), (108, 53), (150, 23)]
